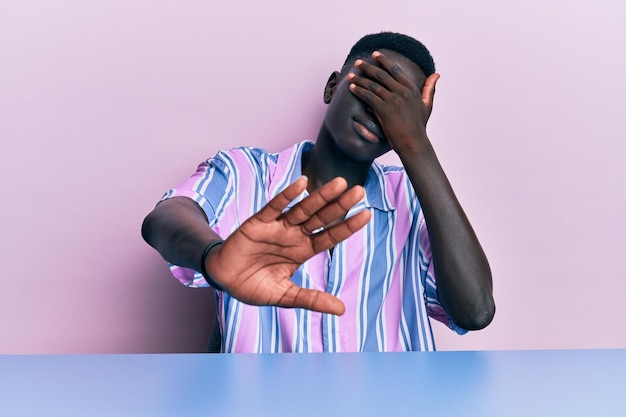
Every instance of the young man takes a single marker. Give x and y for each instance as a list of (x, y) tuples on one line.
[(324, 230)]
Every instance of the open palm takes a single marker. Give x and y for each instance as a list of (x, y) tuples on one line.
[(256, 262)]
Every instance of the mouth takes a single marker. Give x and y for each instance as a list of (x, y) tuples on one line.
[(368, 130)]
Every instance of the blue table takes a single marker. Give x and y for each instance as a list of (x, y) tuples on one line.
[(503, 384)]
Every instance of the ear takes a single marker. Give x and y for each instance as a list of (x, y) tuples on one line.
[(331, 84)]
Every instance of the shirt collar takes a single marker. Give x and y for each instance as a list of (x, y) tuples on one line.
[(289, 166)]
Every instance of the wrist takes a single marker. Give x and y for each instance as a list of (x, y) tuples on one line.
[(416, 147), (203, 258)]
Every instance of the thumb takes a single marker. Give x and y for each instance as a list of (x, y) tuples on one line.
[(428, 91), (314, 300)]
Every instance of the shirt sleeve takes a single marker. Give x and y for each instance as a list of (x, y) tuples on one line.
[(211, 186), (429, 281)]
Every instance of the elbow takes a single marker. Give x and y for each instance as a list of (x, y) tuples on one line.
[(480, 318), (146, 228)]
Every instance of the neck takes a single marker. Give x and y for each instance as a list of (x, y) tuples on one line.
[(326, 161)]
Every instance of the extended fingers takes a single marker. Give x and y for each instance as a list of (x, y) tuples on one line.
[(326, 194), (335, 234), (275, 207), (334, 211)]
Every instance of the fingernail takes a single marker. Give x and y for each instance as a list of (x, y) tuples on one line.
[(358, 62), (376, 54)]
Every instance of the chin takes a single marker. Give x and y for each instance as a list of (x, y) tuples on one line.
[(363, 151)]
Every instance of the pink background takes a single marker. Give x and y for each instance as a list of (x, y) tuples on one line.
[(106, 104)]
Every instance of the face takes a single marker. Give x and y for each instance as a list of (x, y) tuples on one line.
[(347, 116)]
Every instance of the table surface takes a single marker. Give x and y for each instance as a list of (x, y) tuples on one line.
[(491, 383)]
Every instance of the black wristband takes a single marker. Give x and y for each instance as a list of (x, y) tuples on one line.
[(205, 274)]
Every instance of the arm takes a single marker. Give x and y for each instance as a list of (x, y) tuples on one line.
[(256, 262), (463, 275)]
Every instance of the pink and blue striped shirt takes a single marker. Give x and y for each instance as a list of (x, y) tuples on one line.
[(383, 273)]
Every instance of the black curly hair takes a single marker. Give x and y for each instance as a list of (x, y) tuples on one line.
[(405, 45)]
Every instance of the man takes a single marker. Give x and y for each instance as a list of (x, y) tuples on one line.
[(324, 230)]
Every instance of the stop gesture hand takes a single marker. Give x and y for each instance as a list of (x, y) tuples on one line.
[(256, 262)]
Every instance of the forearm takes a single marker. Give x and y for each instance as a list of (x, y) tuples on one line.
[(178, 229), (464, 283)]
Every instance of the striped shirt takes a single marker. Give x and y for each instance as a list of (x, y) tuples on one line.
[(383, 273)]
